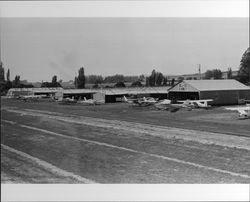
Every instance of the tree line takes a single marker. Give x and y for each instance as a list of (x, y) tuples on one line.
[(155, 79), (6, 83)]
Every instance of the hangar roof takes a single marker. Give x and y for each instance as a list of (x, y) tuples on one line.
[(120, 91), (38, 90), (211, 85)]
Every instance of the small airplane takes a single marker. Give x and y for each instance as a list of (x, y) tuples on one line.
[(32, 97), (188, 104), (244, 111), (167, 105), (163, 104), (150, 100), (142, 102), (66, 101), (197, 103), (129, 100), (89, 101)]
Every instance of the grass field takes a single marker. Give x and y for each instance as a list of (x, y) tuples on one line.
[(43, 142)]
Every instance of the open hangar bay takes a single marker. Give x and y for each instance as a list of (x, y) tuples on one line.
[(43, 142)]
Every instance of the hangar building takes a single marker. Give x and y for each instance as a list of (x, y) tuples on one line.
[(111, 95), (18, 92), (223, 92), (116, 94), (81, 93)]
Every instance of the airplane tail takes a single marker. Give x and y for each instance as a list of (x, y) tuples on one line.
[(85, 98), (125, 99)]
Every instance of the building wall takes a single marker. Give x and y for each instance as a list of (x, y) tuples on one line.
[(183, 95), (227, 97)]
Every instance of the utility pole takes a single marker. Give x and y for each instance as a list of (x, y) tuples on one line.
[(199, 71)]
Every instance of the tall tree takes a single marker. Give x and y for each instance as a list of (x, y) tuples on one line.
[(2, 77), (229, 73), (244, 70), (8, 82), (173, 81), (147, 81), (159, 79), (153, 78), (81, 78), (8, 75), (165, 81)]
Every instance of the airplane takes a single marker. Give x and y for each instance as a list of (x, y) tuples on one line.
[(89, 101), (129, 100), (197, 103), (142, 102), (188, 104), (168, 105), (32, 97), (149, 100), (163, 104), (244, 111), (66, 101)]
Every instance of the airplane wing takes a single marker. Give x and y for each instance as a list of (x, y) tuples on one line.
[(181, 101), (239, 108), (243, 111), (205, 100)]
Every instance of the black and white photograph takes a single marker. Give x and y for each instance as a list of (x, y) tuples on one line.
[(107, 92)]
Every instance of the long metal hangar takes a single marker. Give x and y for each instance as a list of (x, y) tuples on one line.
[(223, 92)]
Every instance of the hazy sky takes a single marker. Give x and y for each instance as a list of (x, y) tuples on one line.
[(38, 48)]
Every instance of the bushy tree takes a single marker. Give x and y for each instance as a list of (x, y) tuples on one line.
[(244, 70), (114, 79), (95, 86), (5, 85), (120, 84), (16, 82), (54, 79), (217, 74), (208, 74), (155, 79), (51, 84), (94, 79), (136, 84), (180, 78), (141, 78), (213, 74)]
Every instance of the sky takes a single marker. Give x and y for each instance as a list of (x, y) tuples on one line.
[(38, 48)]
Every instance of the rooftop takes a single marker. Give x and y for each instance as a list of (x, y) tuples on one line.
[(207, 85)]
